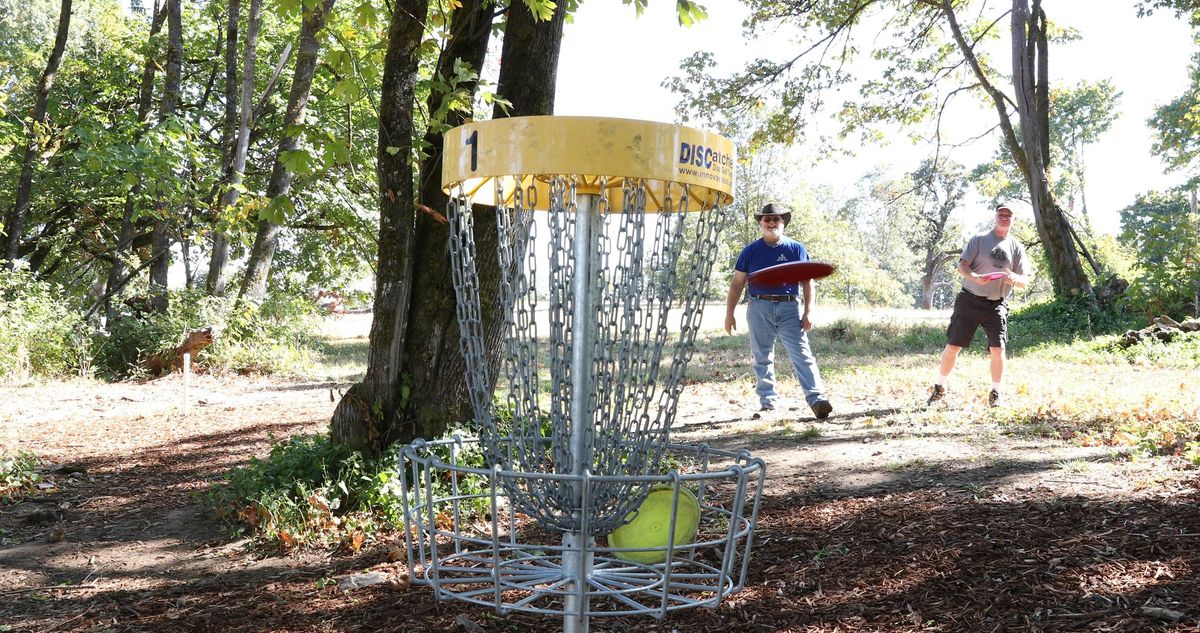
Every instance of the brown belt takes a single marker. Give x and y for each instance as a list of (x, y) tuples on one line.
[(775, 297)]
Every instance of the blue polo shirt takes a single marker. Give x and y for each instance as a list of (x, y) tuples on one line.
[(759, 255)]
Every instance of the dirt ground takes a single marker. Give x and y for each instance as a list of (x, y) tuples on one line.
[(872, 520)]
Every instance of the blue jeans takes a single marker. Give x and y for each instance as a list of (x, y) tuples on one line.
[(771, 320)]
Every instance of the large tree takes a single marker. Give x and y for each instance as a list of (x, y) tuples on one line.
[(1078, 116), (117, 277), (266, 240), (14, 226), (160, 240), (367, 412), (1177, 126), (930, 55), (942, 187), (131, 140), (235, 135), (415, 383)]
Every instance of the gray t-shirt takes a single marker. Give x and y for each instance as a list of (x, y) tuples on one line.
[(985, 253)]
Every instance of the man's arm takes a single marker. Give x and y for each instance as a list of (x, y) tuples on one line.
[(1018, 280), (810, 297), (731, 300), (964, 269), (1017, 276)]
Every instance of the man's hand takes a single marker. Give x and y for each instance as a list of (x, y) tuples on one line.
[(730, 324), (805, 323)]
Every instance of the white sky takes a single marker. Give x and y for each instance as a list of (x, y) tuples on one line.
[(613, 64)]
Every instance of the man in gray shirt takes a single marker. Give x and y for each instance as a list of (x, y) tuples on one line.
[(991, 265)]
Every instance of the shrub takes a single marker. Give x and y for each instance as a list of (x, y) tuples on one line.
[(852, 337), (1182, 352), (275, 337), (1163, 232), (40, 333), (134, 334), (1062, 320), (271, 338), (311, 491), (18, 475)]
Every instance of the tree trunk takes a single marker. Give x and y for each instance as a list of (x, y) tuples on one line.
[(439, 389), (172, 78), (218, 265), (528, 71), (266, 240), (116, 274), (369, 410), (15, 225), (373, 414), (214, 283), (1031, 84), (932, 265), (529, 62), (1030, 152)]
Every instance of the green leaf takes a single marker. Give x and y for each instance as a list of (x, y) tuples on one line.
[(277, 210), (336, 151), (365, 15), (392, 150), (347, 90), (297, 161), (689, 12), (542, 10)]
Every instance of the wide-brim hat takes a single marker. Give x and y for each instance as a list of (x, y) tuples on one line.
[(774, 209)]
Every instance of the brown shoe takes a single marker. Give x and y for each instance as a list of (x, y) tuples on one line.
[(822, 409), (994, 398), (937, 393)]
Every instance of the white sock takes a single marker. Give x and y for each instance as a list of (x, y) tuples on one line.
[(996, 387), (941, 380)]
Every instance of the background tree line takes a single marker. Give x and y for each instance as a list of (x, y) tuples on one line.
[(261, 150)]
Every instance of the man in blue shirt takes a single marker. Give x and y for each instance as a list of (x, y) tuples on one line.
[(773, 312)]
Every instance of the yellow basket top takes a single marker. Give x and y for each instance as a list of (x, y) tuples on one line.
[(529, 151)]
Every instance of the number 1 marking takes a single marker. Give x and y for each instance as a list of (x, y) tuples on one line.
[(473, 141)]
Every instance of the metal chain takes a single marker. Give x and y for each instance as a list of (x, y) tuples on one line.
[(637, 281)]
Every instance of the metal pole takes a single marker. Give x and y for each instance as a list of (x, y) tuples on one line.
[(577, 553)]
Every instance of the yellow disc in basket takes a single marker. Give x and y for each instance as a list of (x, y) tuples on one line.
[(650, 527)]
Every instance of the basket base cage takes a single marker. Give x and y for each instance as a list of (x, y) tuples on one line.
[(466, 540)]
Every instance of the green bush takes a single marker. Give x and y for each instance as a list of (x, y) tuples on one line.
[(1183, 351), (18, 475), (1163, 232), (133, 334), (311, 491), (274, 337), (1062, 321), (851, 337), (40, 333)]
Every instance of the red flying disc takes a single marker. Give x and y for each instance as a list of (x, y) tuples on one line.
[(996, 275), (792, 272)]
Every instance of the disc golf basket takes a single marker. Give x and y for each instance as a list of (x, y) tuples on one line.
[(601, 300)]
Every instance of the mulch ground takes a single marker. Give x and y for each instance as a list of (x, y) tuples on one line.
[(917, 555)]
